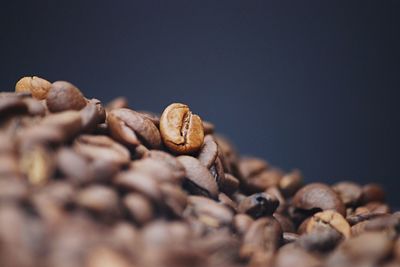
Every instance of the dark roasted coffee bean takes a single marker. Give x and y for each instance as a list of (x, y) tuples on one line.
[(92, 115), (199, 179), (276, 193), (229, 184), (318, 196), (181, 130), (321, 239), (372, 193), (263, 180), (350, 193), (139, 207), (132, 128), (74, 166), (174, 198), (329, 219), (64, 96), (155, 118), (258, 205), (250, 166), (291, 182), (286, 224), (208, 152), (227, 201), (159, 170), (98, 147)]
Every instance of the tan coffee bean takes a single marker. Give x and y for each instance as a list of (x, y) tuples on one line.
[(329, 218), (37, 164), (38, 87), (181, 130), (64, 96)]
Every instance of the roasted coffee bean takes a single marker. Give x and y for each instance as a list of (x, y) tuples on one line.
[(320, 239), (258, 205), (263, 180), (227, 201), (12, 105), (208, 127), (229, 184), (290, 183), (139, 207), (101, 148), (37, 164), (198, 178), (132, 128), (106, 257), (99, 199), (293, 255), (250, 166), (289, 237), (158, 170), (117, 103), (383, 223), (181, 130), (35, 107), (242, 222), (175, 166), (175, 199), (372, 193), (318, 196), (139, 182), (286, 224), (276, 193), (13, 189), (64, 96), (153, 117), (209, 212), (38, 87), (209, 151), (329, 219), (92, 115), (350, 193), (263, 236), (74, 166)]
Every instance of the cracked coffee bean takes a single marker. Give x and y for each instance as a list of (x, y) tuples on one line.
[(38, 87), (181, 130)]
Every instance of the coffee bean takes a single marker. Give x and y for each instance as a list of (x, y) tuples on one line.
[(92, 115), (293, 255), (153, 117), (263, 180), (349, 192), (229, 184), (320, 239), (329, 219), (242, 222), (74, 166), (139, 207), (181, 130), (286, 224), (208, 127), (373, 193), (318, 196), (99, 199), (158, 170), (258, 205), (175, 199), (102, 148), (252, 166), (132, 128), (208, 152), (198, 178), (37, 164), (38, 87), (291, 182), (117, 103), (289, 237), (64, 96)]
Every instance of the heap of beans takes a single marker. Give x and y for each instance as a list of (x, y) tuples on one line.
[(93, 185)]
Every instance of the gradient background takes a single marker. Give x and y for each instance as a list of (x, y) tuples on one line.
[(305, 84)]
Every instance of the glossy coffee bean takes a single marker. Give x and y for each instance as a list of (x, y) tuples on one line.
[(258, 205), (133, 128), (181, 130), (64, 96), (318, 196)]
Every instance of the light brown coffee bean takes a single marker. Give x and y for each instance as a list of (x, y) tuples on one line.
[(318, 196), (329, 218), (64, 96), (293, 255), (199, 179), (250, 166), (133, 128), (38, 87), (99, 199), (37, 164), (181, 130), (139, 208), (208, 152)]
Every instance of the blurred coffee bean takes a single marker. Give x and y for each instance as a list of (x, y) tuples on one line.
[(13, 189), (318, 196), (227, 201), (229, 184), (291, 182), (350, 193), (74, 166), (158, 170), (260, 182), (372, 193), (208, 152), (286, 224), (329, 219), (320, 239), (153, 117), (289, 237), (102, 148), (242, 222), (35, 107), (117, 103), (133, 128), (293, 255), (181, 130), (64, 96), (105, 257), (198, 179), (37, 164), (208, 127), (175, 166), (258, 205), (174, 199), (139, 208), (99, 199), (250, 166), (92, 115)]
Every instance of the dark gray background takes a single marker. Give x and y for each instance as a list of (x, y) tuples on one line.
[(306, 84)]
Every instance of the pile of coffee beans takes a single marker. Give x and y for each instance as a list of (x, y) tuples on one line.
[(93, 185)]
